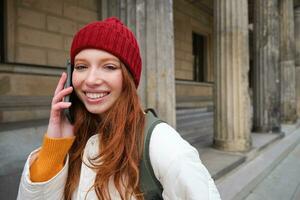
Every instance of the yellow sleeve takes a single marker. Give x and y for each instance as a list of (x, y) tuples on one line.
[(50, 159)]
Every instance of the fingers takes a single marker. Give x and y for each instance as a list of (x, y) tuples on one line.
[(61, 83), (61, 94), (55, 114), (61, 105)]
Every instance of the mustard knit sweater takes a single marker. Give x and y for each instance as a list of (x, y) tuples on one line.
[(50, 159)]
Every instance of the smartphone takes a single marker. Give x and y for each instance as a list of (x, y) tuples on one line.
[(68, 112)]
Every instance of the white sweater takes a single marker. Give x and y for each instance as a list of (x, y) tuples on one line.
[(175, 162)]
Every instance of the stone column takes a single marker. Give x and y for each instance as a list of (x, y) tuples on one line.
[(297, 55), (287, 62), (152, 23), (266, 90), (231, 51)]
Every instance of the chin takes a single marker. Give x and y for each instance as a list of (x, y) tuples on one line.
[(96, 111)]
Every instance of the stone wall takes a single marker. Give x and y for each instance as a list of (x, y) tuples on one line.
[(38, 38), (188, 18), (40, 32), (16, 89)]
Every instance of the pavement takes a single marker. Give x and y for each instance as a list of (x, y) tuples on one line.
[(238, 176), (13, 154), (220, 163), (283, 182)]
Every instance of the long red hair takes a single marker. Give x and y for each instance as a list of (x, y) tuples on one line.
[(120, 147)]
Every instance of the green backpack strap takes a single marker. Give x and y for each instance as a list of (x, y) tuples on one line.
[(150, 186)]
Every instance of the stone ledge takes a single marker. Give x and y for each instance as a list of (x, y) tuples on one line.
[(9, 126), (188, 105), (221, 164), (183, 82), (235, 185), (181, 99), (31, 69), (24, 102)]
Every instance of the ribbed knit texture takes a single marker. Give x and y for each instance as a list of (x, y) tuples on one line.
[(50, 159), (112, 36)]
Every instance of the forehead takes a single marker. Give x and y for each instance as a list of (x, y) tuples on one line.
[(95, 54)]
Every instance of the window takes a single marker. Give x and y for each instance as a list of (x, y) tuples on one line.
[(199, 53), (1, 31)]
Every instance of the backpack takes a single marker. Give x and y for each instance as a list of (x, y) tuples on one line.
[(149, 184)]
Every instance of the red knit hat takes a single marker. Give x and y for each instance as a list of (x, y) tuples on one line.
[(113, 36)]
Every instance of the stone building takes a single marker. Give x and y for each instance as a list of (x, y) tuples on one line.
[(217, 70)]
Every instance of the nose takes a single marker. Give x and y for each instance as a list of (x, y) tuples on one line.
[(94, 78)]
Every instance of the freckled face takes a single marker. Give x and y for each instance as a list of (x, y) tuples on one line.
[(97, 79)]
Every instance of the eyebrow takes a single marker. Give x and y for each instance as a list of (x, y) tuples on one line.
[(102, 60)]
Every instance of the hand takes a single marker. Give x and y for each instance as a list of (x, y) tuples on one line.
[(59, 126)]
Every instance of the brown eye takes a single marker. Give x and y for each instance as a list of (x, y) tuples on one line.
[(110, 67), (79, 67)]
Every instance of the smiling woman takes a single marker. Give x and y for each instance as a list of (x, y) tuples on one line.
[(101, 155), (97, 79)]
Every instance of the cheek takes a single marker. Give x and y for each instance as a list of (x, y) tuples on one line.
[(119, 83), (76, 80)]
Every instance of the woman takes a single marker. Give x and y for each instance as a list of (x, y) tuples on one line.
[(98, 156)]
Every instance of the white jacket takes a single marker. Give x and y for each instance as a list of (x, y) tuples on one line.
[(175, 162)]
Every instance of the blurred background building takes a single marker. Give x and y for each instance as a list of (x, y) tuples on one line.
[(217, 70)]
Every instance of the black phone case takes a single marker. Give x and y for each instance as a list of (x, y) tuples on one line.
[(68, 112)]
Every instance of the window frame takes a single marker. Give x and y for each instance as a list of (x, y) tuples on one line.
[(200, 71)]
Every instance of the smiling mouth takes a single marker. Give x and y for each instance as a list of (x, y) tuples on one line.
[(96, 95)]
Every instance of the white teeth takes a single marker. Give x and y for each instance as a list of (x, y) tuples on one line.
[(96, 95)]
